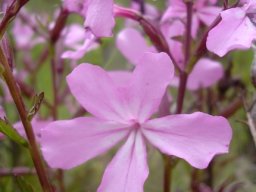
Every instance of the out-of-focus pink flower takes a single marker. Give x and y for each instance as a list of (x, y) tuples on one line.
[(202, 11), (132, 45), (236, 30), (99, 22), (75, 38), (98, 14), (205, 73), (122, 112), (23, 33)]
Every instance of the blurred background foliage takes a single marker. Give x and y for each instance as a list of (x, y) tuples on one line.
[(235, 171)]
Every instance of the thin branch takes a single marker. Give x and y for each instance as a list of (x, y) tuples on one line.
[(152, 31), (10, 14), (14, 90), (16, 171)]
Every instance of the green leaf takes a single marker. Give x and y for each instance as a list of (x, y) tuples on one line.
[(24, 185), (7, 129), (38, 99)]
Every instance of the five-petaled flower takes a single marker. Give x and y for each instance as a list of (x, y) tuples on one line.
[(122, 112), (236, 30)]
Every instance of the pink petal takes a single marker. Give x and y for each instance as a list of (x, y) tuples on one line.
[(125, 42), (94, 89), (100, 18), (75, 36), (120, 78), (227, 36), (128, 170), (69, 143), (148, 84), (205, 73), (195, 137), (37, 125), (89, 44), (77, 6), (208, 14), (174, 12)]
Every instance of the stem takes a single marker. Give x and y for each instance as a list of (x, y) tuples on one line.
[(167, 173), (54, 83), (14, 90), (10, 14), (55, 34), (187, 53), (16, 171), (152, 31)]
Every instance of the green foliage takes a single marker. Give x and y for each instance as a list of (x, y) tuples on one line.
[(23, 184), (7, 129)]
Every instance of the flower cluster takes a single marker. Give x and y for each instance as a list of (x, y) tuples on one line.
[(169, 54)]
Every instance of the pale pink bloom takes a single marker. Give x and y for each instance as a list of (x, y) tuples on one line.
[(202, 11), (205, 73), (99, 22), (24, 35), (98, 15), (122, 113), (170, 31), (132, 45), (235, 31), (76, 38)]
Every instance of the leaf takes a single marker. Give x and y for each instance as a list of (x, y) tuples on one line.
[(38, 99), (7, 129), (23, 185)]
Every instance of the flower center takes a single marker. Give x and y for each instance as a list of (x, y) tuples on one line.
[(135, 124)]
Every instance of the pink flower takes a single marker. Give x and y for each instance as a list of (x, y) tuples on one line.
[(235, 31), (99, 21), (122, 113), (98, 14), (75, 38), (201, 12), (205, 73)]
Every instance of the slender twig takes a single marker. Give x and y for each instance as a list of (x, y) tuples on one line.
[(55, 34), (167, 173), (183, 75), (10, 14), (232, 108), (16, 171), (14, 90), (152, 31), (251, 126)]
